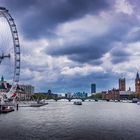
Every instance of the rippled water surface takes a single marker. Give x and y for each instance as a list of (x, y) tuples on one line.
[(65, 121)]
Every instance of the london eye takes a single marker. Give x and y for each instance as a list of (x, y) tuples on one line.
[(9, 50)]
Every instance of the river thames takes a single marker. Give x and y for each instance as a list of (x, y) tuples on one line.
[(65, 121)]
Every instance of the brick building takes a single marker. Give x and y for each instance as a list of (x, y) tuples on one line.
[(111, 95)]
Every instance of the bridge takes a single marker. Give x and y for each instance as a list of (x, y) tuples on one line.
[(70, 98)]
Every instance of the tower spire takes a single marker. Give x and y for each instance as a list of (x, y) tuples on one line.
[(2, 79), (137, 83), (137, 76)]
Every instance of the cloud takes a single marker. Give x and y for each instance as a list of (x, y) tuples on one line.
[(38, 18), (85, 70), (133, 35), (89, 38), (120, 53), (124, 6), (81, 37)]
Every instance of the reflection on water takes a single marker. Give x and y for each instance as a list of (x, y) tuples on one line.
[(65, 121)]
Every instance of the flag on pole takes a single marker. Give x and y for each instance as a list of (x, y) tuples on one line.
[(14, 95)]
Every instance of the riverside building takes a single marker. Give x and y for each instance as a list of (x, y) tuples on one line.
[(121, 93), (25, 91)]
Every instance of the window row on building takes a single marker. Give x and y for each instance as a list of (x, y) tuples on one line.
[(24, 92)]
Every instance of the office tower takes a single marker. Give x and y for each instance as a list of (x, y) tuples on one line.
[(93, 88)]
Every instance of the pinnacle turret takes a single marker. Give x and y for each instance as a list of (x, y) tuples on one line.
[(2, 79), (137, 76)]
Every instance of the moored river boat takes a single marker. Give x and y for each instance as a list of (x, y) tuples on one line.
[(77, 103), (6, 109)]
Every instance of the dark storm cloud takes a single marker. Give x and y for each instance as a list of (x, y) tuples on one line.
[(86, 52), (119, 55), (134, 36), (41, 16), (95, 47), (134, 2), (96, 62), (119, 52), (119, 59)]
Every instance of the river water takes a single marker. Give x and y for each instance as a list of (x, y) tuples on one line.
[(65, 121)]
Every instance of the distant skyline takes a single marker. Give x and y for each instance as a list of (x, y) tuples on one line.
[(68, 44)]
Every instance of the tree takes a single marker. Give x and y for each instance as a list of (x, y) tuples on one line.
[(39, 96), (96, 96), (137, 95), (131, 96)]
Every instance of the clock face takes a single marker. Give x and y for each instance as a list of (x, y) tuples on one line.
[(138, 82)]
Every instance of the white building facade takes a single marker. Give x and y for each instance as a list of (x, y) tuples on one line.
[(25, 92)]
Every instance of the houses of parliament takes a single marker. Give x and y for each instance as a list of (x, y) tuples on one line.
[(122, 84), (121, 92)]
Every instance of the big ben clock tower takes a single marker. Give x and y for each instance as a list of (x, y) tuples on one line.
[(137, 83)]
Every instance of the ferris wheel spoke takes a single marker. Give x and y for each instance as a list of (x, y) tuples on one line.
[(9, 56)]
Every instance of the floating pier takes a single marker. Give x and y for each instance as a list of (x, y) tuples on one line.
[(38, 104)]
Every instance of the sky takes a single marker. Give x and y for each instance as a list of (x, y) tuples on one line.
[(68, 44)]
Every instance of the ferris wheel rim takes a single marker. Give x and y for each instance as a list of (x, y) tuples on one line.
[(5, 13)]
